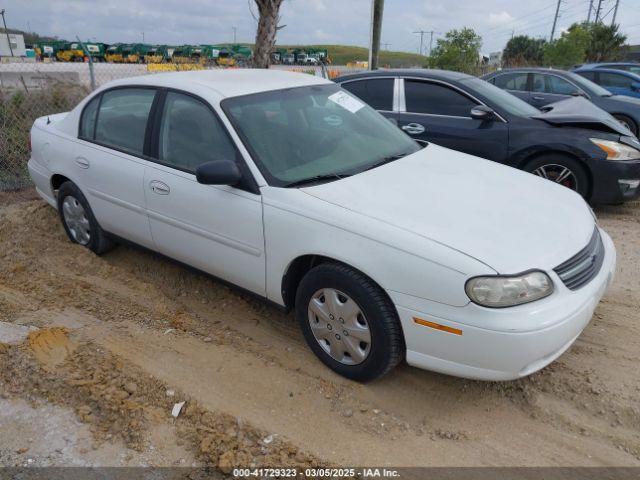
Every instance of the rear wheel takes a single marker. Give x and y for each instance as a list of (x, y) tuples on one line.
[(78, 220), (562, 170), (349, 322), (627, 122)]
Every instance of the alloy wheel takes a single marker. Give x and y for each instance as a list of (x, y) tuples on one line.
[(559, 174), (339, 326)]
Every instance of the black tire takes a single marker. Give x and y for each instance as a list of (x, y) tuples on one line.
[(386, 348), (99, 242), (628, 122), (554, 163)]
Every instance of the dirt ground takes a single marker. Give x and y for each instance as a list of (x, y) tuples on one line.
[(98, 350)]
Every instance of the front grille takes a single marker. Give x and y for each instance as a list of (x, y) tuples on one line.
[(583, 266)]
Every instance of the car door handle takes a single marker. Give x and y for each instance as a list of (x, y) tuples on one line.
[(82, 162), (537, 97), (160, 188), (413, 128)]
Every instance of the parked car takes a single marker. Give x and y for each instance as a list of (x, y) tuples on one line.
[(618, 82), (568, 144), (293, 189), (542, 86), (633, 67)]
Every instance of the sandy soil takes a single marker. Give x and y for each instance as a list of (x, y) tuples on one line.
[(123, 337)]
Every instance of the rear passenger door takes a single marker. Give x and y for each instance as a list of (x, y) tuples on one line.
[(440, 113), (109, 160), (215, 228)]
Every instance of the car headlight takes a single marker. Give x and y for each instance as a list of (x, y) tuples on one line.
[(616, 150), (507, 291)]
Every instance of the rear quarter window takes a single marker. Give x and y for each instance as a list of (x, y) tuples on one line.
[(88, 120)]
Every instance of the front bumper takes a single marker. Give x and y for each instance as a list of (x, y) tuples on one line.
[(614, 181), (516, 342)]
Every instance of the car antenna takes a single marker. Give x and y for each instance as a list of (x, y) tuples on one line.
[(48, 120)]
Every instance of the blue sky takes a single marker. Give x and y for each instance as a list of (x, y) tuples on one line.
[(307, 21)]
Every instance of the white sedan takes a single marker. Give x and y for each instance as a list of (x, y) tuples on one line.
[(293, 189)]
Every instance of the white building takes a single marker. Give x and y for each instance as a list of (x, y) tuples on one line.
[(17, 45)]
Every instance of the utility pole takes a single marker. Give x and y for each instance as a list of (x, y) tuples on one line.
[(385, 45), (142, 37), (589, 12), (235, 29), (377, 9), (598, 11), (6, 31), (422, 32), (555, 21), (615, 13)]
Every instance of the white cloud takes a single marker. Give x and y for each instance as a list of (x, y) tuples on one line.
[(496, 19)]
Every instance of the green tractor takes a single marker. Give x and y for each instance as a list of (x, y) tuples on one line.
[(159, 54), (48, 50), (114, 53), (97, 51)]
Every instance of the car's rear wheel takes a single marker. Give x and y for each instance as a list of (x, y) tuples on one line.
[(349, 322), (562, 170), (627, 122), (78, 220)]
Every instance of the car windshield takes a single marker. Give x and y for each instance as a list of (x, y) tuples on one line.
[(587, 85), (504, 100), (316, 132)]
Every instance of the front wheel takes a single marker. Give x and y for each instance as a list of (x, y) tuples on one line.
[(627, 122), (562, 170), (349, 322)]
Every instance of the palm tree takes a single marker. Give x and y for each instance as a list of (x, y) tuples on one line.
[(606, 43), (267, 29)]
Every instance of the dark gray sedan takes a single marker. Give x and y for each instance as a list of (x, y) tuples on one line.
[(542, 86)]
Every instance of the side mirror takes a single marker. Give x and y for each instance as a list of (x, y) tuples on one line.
[(482, 112), (635, 86), (218, 172)]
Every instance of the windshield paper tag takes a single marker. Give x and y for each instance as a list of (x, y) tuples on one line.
[(346, 101)]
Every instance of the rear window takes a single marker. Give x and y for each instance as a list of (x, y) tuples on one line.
[(122, 118), (377, 92)]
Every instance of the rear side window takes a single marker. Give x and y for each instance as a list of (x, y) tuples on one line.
[(552, 84), (88, 120), (512, 81), (122, 118), (436, 99), (588, 75), (377, 92), (614, 80), (190, 134)]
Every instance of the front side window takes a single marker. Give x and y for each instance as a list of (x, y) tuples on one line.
[(122, 118), (512, 81), (436, 99), (377, 92), (190, 134), (614, 80), (300, 133)]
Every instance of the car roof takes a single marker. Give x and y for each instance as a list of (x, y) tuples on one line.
[(527, 70), (404, 72), (609, 70), (225, 82)]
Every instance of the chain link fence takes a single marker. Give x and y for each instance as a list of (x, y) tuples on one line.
[(29, 90)]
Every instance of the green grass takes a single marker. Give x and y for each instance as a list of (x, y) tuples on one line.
[(343, 54)]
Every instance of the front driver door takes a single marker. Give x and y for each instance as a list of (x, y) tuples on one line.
[(215, 228), (440, 113)]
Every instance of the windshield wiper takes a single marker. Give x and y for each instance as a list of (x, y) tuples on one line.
[(384, 160), (317, 178)]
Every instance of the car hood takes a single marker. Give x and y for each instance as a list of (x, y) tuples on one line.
[(509, 220), (580, 112)]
